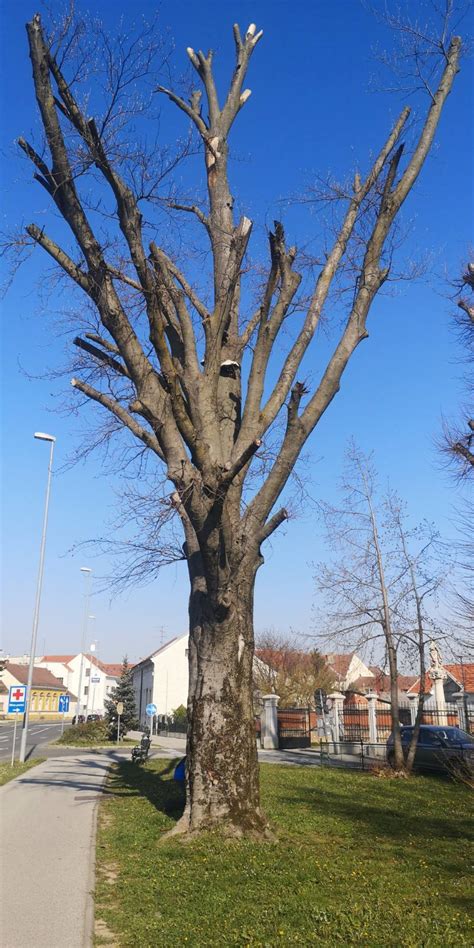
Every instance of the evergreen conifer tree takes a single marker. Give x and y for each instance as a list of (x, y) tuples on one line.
[(122, 692)]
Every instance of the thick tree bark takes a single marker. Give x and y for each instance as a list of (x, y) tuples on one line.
[(222, 766)]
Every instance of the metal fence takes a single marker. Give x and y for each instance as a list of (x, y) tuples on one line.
[(359, 755), (294, 727), (448, 717), (355, 719), (355, 723), (170, 728)]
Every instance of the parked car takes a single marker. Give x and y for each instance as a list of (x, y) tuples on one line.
[(440, 749), (79, 720), (94, 717)]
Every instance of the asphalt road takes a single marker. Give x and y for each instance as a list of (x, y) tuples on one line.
[(39, 734)]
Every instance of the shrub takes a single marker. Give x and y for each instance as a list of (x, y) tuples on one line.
[(94, 732)]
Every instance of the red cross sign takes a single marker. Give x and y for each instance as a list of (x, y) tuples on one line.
[(17, 698)]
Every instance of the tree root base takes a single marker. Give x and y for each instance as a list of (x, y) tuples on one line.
[(185, 831)]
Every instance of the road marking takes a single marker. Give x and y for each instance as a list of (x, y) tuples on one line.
[(38, 729)]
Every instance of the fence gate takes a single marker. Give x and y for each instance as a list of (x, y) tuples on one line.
[(294, 727)]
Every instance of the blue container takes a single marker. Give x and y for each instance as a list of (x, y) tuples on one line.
[(180, 771)]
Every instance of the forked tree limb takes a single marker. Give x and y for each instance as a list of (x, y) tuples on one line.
[(116, 409)]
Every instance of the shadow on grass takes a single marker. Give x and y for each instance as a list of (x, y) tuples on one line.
[(157, 786), (387, 818)]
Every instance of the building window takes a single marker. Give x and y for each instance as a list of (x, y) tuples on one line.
[(86, 690), (88, 671), (186, 653)]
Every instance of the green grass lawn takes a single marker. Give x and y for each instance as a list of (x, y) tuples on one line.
[(358, 861), (7, 772)]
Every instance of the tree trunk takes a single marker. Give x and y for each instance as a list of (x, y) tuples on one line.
[(399, 759), (222, 766)]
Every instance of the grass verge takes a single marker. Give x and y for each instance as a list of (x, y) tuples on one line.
[(358, 861), (7, 772)]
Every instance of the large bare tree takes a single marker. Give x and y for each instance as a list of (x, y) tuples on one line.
[(189, 375)]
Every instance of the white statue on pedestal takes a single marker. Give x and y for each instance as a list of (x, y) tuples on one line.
[(436, 669)]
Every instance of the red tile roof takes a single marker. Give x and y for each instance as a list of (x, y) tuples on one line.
[(64, 659), (414, 689), (339, 663), (113, 669), (463, 674), (41, 676), (381, 682)]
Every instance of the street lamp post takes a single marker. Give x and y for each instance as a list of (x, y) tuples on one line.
[(87, 577), (95, 650), (41, 436), (91, 619)]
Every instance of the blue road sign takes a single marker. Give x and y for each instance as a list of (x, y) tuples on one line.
[(151, 709), (17, 698), (63, 706)]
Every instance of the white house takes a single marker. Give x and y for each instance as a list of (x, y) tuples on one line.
[(347, 668), (98, 679), (162, 678)]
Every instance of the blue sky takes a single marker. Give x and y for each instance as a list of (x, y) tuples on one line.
[(310, 111)]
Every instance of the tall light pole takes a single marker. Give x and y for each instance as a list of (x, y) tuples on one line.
[(95, 648), (87, 591), (41, 436), (91, 649)]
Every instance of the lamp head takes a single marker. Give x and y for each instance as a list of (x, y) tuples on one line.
[(42, 436)]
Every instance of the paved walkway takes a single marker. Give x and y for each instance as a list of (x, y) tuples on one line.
[(48, 820)]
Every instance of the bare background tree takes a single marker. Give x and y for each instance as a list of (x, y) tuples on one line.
[(293, 673), (458, 450), (459, 440), (378, 583), (174, 357)]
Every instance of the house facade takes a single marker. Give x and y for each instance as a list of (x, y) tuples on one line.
[(98, 679), (347, 668), (46, 690), (162, 679)]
